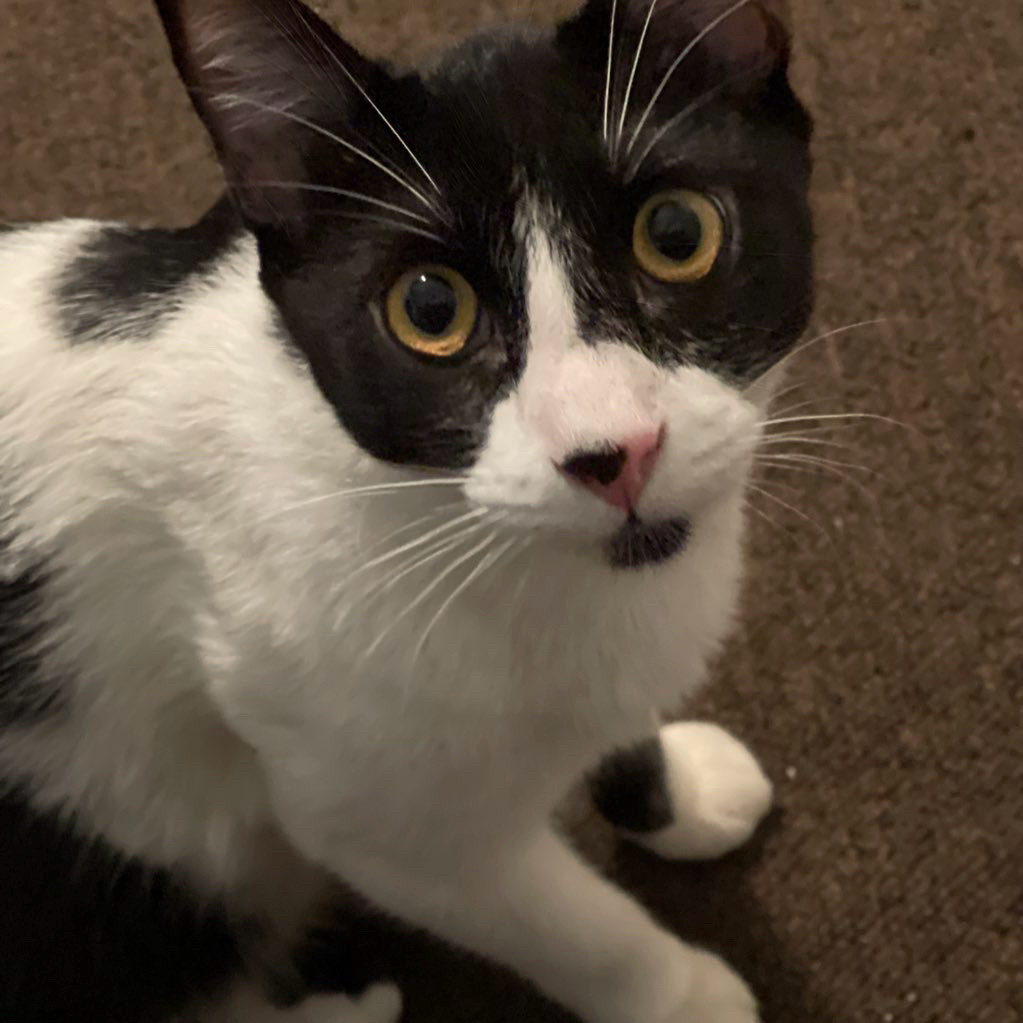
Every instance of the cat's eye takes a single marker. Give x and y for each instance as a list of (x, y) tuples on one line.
[(432, 309), (678, 235)]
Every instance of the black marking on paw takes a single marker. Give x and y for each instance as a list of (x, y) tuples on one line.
[(640, 544), (629, 788), (124, 281)]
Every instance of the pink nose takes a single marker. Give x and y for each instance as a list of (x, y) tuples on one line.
[(617, 474)]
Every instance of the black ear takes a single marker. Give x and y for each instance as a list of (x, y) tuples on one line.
[(273, 83), (739, 44)]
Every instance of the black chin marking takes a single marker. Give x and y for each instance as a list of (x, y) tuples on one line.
[(639, 544)]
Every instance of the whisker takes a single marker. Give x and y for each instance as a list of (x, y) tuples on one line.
[(418, 542), (794, 386), (788, 438), (346, 193), (760, 513), (795, 511), (796, 456), (427, 590), (679, 60), (288, 115), (686, 112), (794, 408), (524, 578), (376, 488), (824, 337), (428, 517), (439, 548), (397, 224), (632, 77), (841, 415), (485, 563), (814, 468), (610, 64), (365, 95)]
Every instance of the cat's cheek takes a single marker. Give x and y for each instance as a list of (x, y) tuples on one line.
[(712, 433)]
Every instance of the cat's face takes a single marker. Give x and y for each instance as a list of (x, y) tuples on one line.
[(554, 262)]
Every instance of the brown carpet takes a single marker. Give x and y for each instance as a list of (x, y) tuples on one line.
[(880, 669)]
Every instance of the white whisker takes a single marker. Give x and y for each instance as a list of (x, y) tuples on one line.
[(365, 95), (824, 337), (632, 77), (377, 488), (485, 563), (436, 513), (427, 590), (346, 193), (839, 415), (397, 224), (438, 549), (787, 438), (794, 408), (610, 65), (679, 60), (795, 511), (418, 542), (760, 513), (672, 121), (813, 468), (327, 134), (794, 456)]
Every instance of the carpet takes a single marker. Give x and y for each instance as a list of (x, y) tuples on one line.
[(879, 668)]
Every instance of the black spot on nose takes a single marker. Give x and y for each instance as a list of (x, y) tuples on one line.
[(602, 467)]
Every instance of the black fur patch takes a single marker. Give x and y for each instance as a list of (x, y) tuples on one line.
[(126, 279), (26, 695), (89, 937), (639, 544), (503, 116), (629, 788)]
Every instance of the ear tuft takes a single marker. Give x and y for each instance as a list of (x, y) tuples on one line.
[(267, 77)]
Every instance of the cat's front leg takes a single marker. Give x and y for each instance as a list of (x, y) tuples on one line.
[(538, 909), (690, 792)]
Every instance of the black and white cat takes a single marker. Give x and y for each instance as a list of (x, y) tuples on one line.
[(343, 532)]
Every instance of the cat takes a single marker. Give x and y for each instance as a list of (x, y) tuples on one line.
[(342, 533)]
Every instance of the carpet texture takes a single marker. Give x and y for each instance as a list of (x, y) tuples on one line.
[(879, 670)]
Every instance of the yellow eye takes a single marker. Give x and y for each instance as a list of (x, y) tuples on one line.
[(677, 236), (432, 309)]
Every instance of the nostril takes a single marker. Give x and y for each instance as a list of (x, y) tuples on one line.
[(617, 474), (602, 467)]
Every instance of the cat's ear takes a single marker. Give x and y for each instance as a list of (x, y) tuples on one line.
[(271, 82), (746, 43)]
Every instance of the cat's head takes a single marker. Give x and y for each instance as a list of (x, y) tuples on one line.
[(553, 261)]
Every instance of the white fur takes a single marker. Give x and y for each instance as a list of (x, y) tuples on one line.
[(254, 706), (719, 794)]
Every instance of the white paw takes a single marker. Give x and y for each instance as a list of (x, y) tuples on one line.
[(380, 1003), (718, 793), (716, 994)]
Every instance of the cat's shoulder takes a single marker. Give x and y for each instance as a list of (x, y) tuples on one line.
[(94, 281)]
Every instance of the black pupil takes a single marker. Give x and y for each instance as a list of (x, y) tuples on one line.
[(431, 304), (674, 230)]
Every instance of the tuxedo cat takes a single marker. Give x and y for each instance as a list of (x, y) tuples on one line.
[(343, 532)]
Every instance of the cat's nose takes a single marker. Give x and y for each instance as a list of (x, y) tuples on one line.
[(618, 473)]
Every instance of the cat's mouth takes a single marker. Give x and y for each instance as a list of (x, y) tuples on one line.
[(639, 544)]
